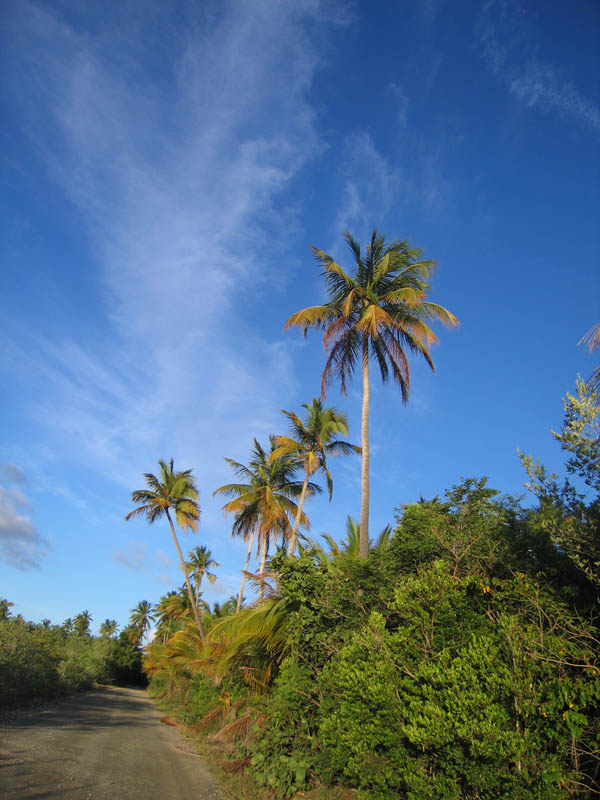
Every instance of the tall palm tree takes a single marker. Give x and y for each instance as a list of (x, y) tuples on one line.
[(108, 628), (141, 619), (379, 312), (200, 561), (264, 504), (174, 491), (311, 441)]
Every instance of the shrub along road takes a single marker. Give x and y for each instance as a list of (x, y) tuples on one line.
[(102, 745)]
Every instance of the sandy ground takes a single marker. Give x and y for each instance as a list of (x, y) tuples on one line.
[(108, 743)]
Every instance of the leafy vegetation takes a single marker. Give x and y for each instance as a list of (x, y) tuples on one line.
[(42, 661), (458, 660)]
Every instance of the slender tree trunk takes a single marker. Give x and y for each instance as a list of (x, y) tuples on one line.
[(364, 508), (293, 537), (244, 575), (261, 571), (187, 578), (198, 584)]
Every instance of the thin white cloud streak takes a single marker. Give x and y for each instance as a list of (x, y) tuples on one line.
[(21, 545), (12, 473), (177, 187), (370, 186), (535, 82)]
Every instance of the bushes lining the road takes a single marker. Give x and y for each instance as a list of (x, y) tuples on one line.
[(39, 662)]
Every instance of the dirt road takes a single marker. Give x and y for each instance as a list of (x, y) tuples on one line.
[(104, 745)]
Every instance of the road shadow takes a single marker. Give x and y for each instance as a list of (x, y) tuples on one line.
[(106, 706)]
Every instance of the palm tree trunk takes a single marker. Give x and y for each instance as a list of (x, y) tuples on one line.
[(292, 545), (244, 574), (187, 577), (364, 508), (261, 571), (199, 582)]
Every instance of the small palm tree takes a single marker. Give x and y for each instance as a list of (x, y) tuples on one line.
[(380, 312), (81, 623), (174, 491), (350, 545), (311, 441), (263, 504), (5, 606), (200, 561), (108, 628), (141, 620)]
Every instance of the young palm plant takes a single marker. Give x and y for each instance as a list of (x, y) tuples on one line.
[(378, 312), (311, 441), (176, 492)]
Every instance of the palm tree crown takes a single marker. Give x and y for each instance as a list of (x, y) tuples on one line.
[(311, 441), (141, 619), (174, 491), (379, 312), (263, 504), (199, 563)]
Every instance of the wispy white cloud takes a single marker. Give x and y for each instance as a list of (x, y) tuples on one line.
[(21, 545), (510, 53), (12, 473), (176, 180), (134, 556), (370, 185)]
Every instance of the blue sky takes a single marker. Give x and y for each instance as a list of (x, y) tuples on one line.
[(164, 171)]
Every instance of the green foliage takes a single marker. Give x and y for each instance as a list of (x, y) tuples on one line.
[(571, 515), (461, 700), (282, 750), (38, 662)]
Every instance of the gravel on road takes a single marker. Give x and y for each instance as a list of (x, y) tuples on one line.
[(108, 744)]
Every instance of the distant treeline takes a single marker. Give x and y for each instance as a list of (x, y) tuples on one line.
[(40, 661)]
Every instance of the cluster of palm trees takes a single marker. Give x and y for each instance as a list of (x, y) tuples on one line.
[(379, 312)]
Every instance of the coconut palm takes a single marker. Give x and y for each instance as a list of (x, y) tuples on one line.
[(108, 628), (5, 606), (592, 341), (141, 619), (174, 491), (81, 623), (311, 441), (379, 312), (200, 561), (170, 611), (264, 504)]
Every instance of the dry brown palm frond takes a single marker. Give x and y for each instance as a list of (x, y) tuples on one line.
[(270, 590), (235, 730), (171, 721)]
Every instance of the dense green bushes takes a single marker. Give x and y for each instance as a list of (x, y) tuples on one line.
[(459, 661), (38, 662)]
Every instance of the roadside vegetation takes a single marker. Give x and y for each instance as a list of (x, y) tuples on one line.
[(453, 656), (41, 661)]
